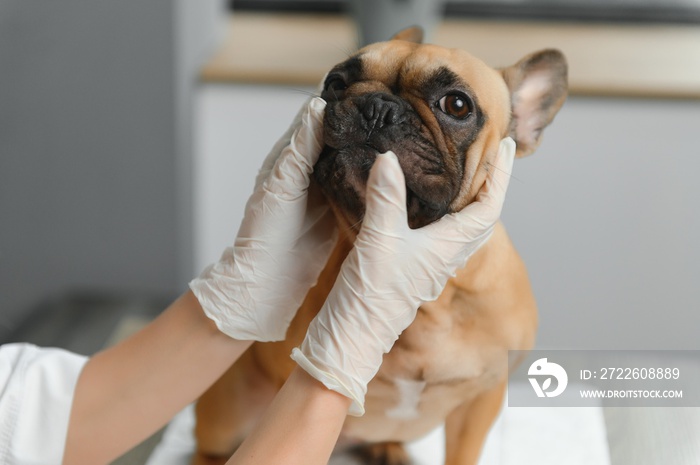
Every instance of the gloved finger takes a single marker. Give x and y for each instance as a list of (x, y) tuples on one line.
[(486, 209), (292, 170), (385, 198)]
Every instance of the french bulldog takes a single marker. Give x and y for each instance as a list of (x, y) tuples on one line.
[(443, 112)]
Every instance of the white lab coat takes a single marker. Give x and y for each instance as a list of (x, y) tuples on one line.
[(36, 394)]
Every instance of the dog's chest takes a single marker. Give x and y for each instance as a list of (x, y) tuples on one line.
[(438, 363)]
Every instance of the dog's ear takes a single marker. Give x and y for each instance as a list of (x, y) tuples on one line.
[(410, 34), (538, 87)]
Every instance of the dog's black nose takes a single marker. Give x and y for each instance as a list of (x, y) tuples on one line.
[(380, 110)]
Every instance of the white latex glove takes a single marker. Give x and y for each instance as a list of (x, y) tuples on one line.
[(283, 243), (390, 272)]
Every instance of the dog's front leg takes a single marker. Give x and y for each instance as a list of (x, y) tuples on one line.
[(467, 426), (225, 412)]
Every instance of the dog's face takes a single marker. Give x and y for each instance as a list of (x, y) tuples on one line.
[(443, 113)]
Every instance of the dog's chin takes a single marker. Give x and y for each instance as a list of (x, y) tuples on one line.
[(342, 175)]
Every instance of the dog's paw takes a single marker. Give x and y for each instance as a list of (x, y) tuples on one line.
[(383, 453)]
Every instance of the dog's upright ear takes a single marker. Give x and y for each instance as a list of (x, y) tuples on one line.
[(411, 34), (538, 87)]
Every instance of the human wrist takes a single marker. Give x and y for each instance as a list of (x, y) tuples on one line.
[(320, 372)]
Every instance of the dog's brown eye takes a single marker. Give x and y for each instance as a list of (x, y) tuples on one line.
[(455, 105)]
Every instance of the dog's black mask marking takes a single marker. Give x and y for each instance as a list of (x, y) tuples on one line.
[(357, 127)]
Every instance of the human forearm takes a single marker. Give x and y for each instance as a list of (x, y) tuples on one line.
[(128, 391), (301, 426)]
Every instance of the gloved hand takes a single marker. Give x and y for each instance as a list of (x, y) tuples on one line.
[(390, 272), (283, 243)]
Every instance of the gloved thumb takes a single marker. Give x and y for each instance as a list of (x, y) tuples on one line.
[(385, 198)]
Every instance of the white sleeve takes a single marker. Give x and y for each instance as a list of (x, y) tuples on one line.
[(36, 394)]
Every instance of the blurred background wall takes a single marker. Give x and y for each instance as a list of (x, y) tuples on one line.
[(95, 147)]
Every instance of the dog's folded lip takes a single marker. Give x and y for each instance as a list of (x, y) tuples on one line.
[(421, 210), (326, 150), (437, 165), (373, 147), (432, 206)]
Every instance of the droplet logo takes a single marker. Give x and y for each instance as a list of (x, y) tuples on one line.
[(547, 370)]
